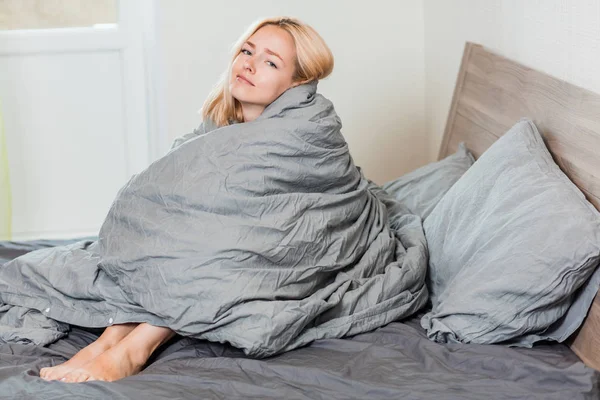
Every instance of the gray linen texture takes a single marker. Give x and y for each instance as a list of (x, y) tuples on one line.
[(420, 190), (264, 235), (511, 244)]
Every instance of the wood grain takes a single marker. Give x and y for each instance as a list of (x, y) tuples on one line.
[(457, 90), (492, 93)]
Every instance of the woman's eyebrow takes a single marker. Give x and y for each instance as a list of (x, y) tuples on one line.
[(266, 51)]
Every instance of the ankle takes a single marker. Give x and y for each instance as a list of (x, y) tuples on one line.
[(137, 353), (105, 343), (142, 342), (114, 334)]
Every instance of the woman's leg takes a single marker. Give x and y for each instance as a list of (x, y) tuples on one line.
[(110, 337), (125, 358)]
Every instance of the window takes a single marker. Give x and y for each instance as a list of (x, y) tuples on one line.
[(53, 14)]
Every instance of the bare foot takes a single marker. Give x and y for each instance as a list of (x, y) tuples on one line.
[(116, 363), (109, 338), (84, 356)]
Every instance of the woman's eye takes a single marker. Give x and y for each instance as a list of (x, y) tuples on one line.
[(246, 52), (271, 64)]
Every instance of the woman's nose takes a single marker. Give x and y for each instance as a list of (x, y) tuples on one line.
[(249, 64)]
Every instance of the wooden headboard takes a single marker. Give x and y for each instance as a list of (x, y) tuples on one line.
[(492, 93)]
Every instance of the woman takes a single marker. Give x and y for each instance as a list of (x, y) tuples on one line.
[(275, 54)]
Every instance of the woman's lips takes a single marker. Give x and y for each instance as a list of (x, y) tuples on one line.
[(242, 79)]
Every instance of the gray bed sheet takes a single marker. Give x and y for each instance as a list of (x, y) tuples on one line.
[(395, 361)]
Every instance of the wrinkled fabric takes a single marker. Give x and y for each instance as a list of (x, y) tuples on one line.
[(263, 234), (422, 189), (511, 243), (393, 362)]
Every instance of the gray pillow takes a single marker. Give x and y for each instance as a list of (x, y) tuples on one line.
[(421, 189), (510, 244)]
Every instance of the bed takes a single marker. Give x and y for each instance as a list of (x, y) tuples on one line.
[(397, 360)]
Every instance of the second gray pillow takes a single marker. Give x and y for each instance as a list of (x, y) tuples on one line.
[(421, 189)]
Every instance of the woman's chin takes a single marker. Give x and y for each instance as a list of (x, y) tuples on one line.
[(240, 92), (243, 97)]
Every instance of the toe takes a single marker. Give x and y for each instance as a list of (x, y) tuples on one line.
[(83, 377), (68, 377), (76, 376), (49, 374)]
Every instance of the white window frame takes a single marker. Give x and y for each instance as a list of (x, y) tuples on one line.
[(135, 31)]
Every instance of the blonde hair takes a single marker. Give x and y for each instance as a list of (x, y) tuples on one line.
[(314, 61)]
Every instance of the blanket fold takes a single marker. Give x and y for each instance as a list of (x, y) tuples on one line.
[(262, 234)]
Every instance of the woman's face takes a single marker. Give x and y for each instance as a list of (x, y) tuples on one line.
[(264, 68)]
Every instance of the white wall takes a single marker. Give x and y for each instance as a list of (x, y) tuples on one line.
[(558, 37), (75, 118), (377, 85), (396, 67)]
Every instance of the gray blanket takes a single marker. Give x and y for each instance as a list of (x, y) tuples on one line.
[(264, 235), (393, 362)]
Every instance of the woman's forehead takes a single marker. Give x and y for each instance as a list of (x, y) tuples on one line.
[(274, 39)]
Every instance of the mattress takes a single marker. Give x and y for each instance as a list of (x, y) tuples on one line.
[(395, 361)]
